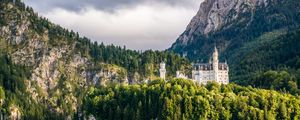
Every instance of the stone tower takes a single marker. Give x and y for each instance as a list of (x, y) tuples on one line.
[(216, 64), (162, 71)]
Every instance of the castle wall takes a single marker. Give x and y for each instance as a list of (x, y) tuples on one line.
[(223, 77), (203, 77)]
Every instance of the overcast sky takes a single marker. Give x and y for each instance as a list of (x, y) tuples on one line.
[(137, 24)]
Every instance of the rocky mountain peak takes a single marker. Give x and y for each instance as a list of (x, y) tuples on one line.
[(213, 14), (237, 27)]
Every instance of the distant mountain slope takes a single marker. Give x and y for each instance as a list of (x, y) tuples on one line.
[(277, 50), (239, 28)]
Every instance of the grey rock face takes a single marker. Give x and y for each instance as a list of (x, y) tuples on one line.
[(56, 69), (213, 14)]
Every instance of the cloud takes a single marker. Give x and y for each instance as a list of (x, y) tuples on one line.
[(147, 25), (110, 5)]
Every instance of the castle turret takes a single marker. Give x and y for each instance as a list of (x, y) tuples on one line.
[(216, 63), (177, 74), (162, 71)]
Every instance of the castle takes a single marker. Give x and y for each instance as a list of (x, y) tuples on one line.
[(205, 72)]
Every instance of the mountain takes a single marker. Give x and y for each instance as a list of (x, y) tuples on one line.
[(252, 35), (45, 69)]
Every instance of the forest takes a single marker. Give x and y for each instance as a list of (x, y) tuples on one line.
[(180, 99), (268, 61)]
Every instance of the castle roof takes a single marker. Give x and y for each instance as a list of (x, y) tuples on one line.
[(209, 66)]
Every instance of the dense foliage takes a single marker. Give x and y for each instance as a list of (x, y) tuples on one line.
[(282, 81), (182, 99), (145, 63), (277, 51)]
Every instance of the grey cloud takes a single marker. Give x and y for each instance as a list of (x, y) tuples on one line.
[(138, 24), (106, 5)]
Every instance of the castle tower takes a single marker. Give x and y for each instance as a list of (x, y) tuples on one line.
[(162, 71), (216, 64), (177, 74)]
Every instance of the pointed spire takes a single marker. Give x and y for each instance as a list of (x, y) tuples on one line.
[(215, 54), (216, 50)]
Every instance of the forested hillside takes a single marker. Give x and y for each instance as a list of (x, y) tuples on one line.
[(45, 69), (180, 99), (277, 51)]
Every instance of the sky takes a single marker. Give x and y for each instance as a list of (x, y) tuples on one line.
[(136, 24)]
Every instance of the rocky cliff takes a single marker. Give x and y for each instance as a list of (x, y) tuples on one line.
[(221, 21), (214, 14), (59, 72)]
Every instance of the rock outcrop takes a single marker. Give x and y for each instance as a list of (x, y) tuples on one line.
[(214, 14), (58, 70)]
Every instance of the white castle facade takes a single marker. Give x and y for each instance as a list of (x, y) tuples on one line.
[(212, 71), (205, 72)]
